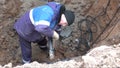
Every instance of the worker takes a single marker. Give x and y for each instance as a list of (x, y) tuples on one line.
[(39, 23)]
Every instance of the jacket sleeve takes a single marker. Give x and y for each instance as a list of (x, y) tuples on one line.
[(42, 16), (58, 29), (44, 29)]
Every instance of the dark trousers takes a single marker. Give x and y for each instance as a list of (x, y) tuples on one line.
[(26, 47)]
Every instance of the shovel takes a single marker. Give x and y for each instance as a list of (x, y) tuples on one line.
[(51, 48)]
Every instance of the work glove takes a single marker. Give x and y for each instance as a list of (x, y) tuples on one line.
[(55, 35)]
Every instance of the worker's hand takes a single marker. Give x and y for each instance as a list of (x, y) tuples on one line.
[(55, 35)]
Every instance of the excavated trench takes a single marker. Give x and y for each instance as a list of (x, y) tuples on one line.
[(75, 37)]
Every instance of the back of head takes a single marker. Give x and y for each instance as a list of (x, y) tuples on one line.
[(69, 16)]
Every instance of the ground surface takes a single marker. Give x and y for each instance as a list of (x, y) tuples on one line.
[(68, 47)]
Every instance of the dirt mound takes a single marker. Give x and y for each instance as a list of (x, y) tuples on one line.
[(99, 57)]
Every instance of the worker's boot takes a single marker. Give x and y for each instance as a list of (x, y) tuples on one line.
[(25, 62), (43, 47), (43, 44)]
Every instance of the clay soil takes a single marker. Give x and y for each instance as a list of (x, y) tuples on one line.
[(65, 48)]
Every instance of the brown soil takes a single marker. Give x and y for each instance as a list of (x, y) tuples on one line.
[(66, 48)]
